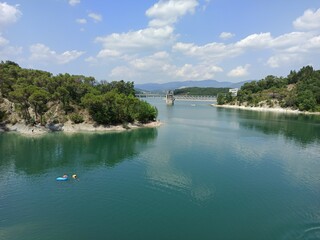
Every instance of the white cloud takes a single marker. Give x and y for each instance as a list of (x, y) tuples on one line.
[(226, 35), (293, 48), (290, 39), (10, 52), (281, 59), (284, 49), (8, 14), (261, 40), (313, 43), (294, 42), (3, 41), (68, 56), (205, 5), (310, 20), (96, 17), (148, 38), (296, 53), (123, 72), (197, 72), (161, 55), (158, 35), (239, 71), (210, 52), (91, 60), (40, 52), (74, 2), (108, 53), (168, 12), (152, 63), (153, 66), (81, 20), (159, 67), (144, 53)]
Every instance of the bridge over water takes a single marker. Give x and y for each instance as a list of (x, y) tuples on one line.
[(179, 97), (194, 98), (144, 95)]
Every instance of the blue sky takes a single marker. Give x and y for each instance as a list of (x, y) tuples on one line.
[(162, 40)]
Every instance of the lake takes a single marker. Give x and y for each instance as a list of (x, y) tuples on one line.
[(206, 173)]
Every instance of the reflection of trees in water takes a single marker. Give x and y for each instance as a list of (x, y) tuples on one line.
[(35, 155), (302, 128)]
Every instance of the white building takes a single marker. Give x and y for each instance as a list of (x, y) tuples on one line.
[(234, 91)]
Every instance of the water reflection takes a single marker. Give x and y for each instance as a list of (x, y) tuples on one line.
[(163, 174), (303, 166), (304, 129), (36, 155)]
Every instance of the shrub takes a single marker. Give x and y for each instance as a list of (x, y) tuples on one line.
[(76, 118)]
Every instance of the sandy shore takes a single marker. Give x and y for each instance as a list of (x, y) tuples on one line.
[(266, 109), (69, 127)]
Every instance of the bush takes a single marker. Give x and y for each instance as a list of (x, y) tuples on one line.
[(76, 118), (2, 115), (125, 125), (68, 109)]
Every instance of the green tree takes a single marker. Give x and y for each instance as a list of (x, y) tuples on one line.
[(221, 99), (63, 96), (20, 95), (8, 77), (97, 108), (145, 112), (306, 101), (39, 99)]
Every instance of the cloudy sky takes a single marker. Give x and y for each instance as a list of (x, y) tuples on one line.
[(162, 40)]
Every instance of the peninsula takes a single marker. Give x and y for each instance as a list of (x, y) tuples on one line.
[(35, 101), (299, 92)]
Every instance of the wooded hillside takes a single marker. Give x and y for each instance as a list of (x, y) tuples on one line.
[(35, 96), (299, 90)]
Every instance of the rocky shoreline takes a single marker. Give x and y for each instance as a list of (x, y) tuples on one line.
[(266, 109), (70, 127)]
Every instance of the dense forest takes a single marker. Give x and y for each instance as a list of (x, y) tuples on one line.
[(299, 90), (35, 96), (197, 91)]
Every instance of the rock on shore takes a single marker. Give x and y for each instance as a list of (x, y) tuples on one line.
[(70, 127)]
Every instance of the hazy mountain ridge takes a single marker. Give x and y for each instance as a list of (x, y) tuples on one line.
[(176, 85)]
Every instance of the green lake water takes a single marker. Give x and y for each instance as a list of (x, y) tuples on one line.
[(206, 173)]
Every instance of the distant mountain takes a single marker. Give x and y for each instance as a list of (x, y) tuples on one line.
[(160, 87)]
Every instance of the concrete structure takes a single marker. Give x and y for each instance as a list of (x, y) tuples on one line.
[(170, 98)]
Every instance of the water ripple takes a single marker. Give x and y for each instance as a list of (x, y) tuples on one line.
[(309, 231)]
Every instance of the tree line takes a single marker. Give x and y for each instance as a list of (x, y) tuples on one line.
[(35, 93), (299, 90)]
